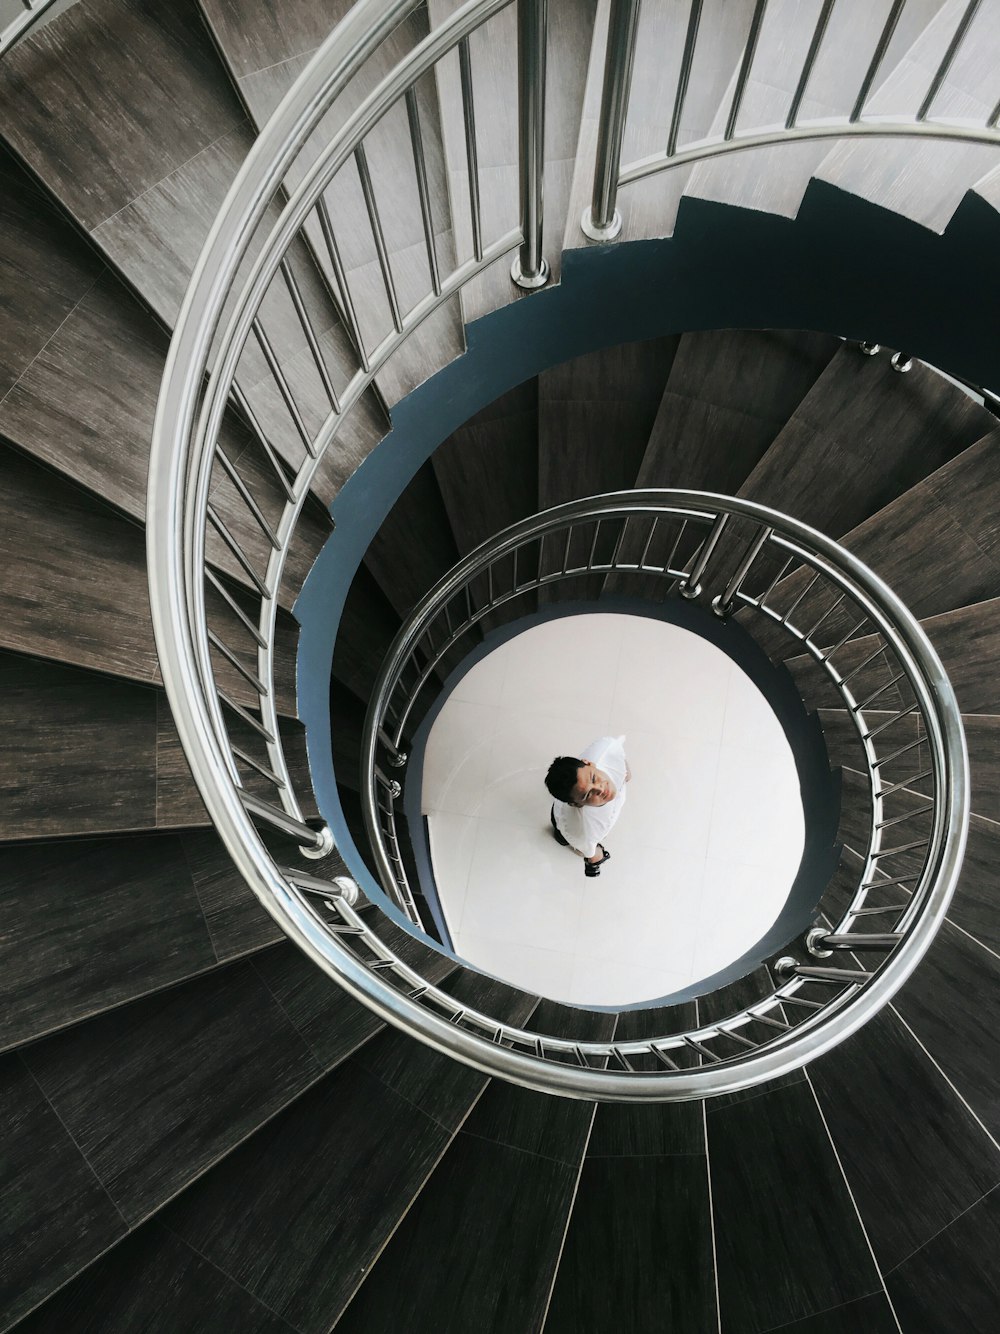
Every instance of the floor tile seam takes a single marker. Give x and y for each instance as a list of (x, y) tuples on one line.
[(969, 936), (207, 1259), (73, 1140), (241, 122), (429, 1116), (452, 1136), (947, 1227), (287, 1017), (517, 1148), (198, 899), (851, 1196), (839, 1306), (571, 1206), (947, 1079), (711, 1212), (266, 69), (104, 270)]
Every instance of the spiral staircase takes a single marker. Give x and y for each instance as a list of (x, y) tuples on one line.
[(200, 1126)]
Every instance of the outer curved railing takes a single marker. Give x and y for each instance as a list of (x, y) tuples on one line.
[(601, 221), (220, 545), (24, 14)]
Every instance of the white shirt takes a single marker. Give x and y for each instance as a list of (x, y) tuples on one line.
[(583, 827)]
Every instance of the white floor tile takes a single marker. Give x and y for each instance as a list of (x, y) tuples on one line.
[(708, 842)]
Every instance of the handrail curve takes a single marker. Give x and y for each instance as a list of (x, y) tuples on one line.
[(278, 200)]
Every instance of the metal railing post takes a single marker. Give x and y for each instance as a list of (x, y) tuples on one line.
[(529, 269), (602, 221)]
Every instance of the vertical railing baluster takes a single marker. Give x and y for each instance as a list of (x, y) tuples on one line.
[(743, 77), (871, 74), (723, 605), (371, 205), (284, 388), (310, 332), (819, 32), (420, 166), (529, 269), (690, 585), (337, 264), (941, 73), (471, 149), (243, 403), (684, 77), (602, 221)]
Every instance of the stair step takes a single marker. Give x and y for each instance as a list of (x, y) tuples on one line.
[(522, 1150), (391, 1111), (414, 546), (879, 171), (774, 180), (777, 1265), (154, 1094)]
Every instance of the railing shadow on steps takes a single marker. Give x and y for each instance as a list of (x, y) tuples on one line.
[(293, 175)]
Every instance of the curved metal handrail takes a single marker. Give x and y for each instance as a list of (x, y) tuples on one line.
[(279, 199), (31, 13), (813, 572)]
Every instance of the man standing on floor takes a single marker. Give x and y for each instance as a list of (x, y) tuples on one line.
[(589, 794)]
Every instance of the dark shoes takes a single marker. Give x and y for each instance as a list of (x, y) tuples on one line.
[(591, 869)]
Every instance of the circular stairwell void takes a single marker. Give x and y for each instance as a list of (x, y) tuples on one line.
[(706, 850)]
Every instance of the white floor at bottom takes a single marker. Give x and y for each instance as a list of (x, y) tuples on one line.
[(708, 843)]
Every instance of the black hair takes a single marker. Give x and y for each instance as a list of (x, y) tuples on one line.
[(562, 777)]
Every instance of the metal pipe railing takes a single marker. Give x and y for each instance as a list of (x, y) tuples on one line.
[(284, 195)]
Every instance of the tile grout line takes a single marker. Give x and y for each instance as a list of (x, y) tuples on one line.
[(857, 1211), (572, 1204), (105, 269), (711, 1213), (941, 1230), (183, 1241)]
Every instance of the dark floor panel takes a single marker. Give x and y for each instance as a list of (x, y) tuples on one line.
[(91, 924), (952, 1003), (974, 907), (777, 1264), (178, 801), (39, 254), (155, 1091), (330, 1021), (637, 1130), (100, 141), (56, 1215), (869, 1315), (236, 921), (154, 1283), (477, 1250), (938, 1160), (982, 736), (728, 395), (862, 436), (414, 547), (638, 1253), (74, 584), (254, 37), (79, 751), (951, 1284)]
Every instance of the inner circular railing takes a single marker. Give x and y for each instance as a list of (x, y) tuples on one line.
[(284, 204)]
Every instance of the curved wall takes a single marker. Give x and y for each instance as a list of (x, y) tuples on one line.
[(842, 266)]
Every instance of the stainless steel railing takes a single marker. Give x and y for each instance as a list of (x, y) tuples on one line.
[(217, 575), (736, 556), (17, 18), (737, 131)]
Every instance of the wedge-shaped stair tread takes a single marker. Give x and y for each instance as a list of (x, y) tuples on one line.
[(151, 1095), (522, 1150), (862, 436), (877, 170), (777, 1265), (727, 397), (391, 1110)]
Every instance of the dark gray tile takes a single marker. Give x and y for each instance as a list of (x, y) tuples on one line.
[(236, 921), (638, 1253), (536, 1122), (337, 1170), (152, 1282), (777, 1264), (85, 743), (40, 255), (107, 100), (974, 907), (503, 1213), (871, 1314), (952, 1003), (56, 1214), (366, 630), (940, 1164), (158, 1090), (982, 735), (74, 575), (431, 1081), (952, 1282), (178, 802), (91, 924), (635, 1130), (414, 546), (253, 37), (332, 1023)]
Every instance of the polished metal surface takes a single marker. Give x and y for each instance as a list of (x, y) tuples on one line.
[(276, 196)]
